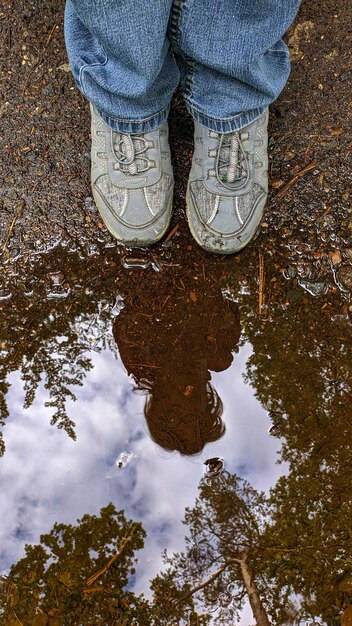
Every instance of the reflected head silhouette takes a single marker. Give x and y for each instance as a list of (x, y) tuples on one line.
[(184, 420), (170, 353)]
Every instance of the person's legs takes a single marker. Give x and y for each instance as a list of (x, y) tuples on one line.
[(233, 64), (121, 60), (233, 58)]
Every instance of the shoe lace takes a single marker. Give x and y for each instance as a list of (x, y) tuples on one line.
[(232, 167), (131, 153)]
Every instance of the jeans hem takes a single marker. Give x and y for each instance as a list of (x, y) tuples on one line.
[(227, 125), (134, 127)]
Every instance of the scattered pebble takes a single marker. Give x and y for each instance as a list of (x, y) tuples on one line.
[(314, 288), (344, 277)]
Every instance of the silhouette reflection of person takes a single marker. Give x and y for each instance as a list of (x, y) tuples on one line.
[(170, 348)]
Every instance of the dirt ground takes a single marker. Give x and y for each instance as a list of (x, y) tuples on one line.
[(46, 201)]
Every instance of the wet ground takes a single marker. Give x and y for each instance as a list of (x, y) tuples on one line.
[(143, 389)]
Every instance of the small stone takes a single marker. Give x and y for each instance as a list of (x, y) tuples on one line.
[(344, 277), (335, 257), (57, 278), (65, 67), (314, 288), (5, 294)]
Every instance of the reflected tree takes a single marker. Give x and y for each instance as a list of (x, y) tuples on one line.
[(300, 369), (225, 563), (288, 559), (311, 515), (241, 545), (298, 540), (78, 574), (82, 575), (48, 340), (4, 412), (301, 372)]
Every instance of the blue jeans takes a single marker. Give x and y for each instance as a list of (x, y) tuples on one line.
[(128, 57)]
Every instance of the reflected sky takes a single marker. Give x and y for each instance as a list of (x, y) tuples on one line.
[(49, 477)]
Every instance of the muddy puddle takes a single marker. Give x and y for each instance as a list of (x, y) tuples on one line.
[(176, 442)]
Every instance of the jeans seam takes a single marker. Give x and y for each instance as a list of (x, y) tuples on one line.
[(225, 125), (215, 119), (140, 122), (175, 17), (282, 52), (177, 7)]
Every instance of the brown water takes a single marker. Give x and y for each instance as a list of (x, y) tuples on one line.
[(190, 405)]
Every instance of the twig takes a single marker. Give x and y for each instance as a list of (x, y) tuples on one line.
[(172, 232), (9, 232), (261, 283), (284, 188), (270, 247), (104, 569), (165, 301), (49, 38), (39, 61), (18, 208), (326, 212)]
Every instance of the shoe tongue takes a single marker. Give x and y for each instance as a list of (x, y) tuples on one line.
[(229, 159)]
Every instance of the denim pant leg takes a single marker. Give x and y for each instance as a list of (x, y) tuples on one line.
[(232, 57), (121, 60)]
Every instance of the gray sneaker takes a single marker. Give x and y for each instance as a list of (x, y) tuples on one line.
[(228, 186), (132, 182)]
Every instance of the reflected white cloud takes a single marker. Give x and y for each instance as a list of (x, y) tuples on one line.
[(47, 477)]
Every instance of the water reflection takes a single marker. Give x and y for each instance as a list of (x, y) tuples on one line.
[(282, 541), (169, 349), (77, 575)]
